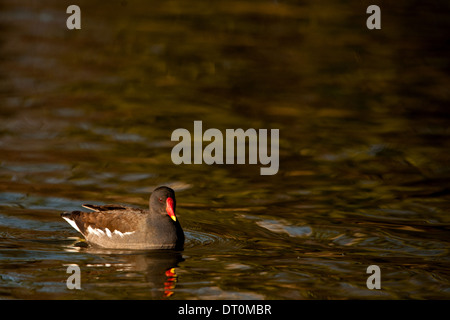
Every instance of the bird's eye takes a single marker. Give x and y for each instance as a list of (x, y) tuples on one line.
[(160, 199)]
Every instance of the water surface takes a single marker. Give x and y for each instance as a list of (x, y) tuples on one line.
[(86, 116)]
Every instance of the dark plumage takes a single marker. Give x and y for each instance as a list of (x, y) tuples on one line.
[(120, 227)]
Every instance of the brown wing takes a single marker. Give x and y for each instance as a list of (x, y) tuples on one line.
[(124, 220), (108, 207)]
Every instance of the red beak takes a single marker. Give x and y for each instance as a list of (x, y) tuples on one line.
[(169, 209)]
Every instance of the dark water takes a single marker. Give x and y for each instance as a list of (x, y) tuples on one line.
[(86, 116)]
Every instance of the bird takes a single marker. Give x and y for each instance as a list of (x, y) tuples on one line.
[(121, 227)]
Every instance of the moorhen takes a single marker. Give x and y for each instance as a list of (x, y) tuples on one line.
[(120, 227)]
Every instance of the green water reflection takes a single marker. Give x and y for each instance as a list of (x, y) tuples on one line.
[(87, 116)]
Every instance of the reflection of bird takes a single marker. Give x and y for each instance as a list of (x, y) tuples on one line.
[(120, 227), (169, 285), (160, 271), (156, 269)]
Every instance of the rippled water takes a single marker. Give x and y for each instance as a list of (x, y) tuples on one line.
[(86, 117)]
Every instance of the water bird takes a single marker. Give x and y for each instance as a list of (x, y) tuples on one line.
[(121, 227)]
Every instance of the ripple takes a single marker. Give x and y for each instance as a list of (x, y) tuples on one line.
[(195, 238), (206, 240), (283, 227)]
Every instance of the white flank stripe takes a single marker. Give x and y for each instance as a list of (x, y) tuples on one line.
[(97, 232), (122, 234), (91, 230), (72, 223), (107, 232)]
